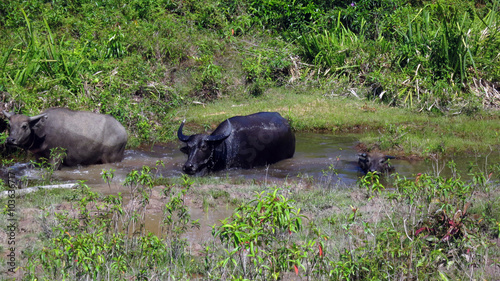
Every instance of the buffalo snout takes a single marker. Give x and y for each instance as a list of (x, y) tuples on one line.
[(189, 168), (11, 141)]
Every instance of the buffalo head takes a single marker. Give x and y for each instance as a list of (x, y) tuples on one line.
[(375, 162), (23, 128), (200, 148)]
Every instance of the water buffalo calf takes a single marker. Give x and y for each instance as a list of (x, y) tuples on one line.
[(239, 142), (375, 162), (87, 138)]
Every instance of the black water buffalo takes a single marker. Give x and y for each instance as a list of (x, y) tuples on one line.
[(375, 162), (239, 142), (87, 138)]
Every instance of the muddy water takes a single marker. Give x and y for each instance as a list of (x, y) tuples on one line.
[(318, 157), (198, 235), (315, 153)]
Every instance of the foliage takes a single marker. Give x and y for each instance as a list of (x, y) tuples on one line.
[(144, 61), (331, 49), (107, 238), (442, 225), (257, 238), (421, 228), (49, 166), (371, 182), (375, 19), (270, 66), (283, 16)]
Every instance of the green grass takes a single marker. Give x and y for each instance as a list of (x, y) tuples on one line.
[(146, 63)]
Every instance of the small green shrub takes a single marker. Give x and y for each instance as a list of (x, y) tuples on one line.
[(257, 238)]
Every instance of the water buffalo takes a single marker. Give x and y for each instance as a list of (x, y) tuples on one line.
[(239, 142), (87, 138), (375, 162)]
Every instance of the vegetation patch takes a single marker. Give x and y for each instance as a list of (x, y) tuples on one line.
[(417, 78), (428, 227), (147, 63)]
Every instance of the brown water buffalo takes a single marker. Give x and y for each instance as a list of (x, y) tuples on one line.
[(375, 162), (239, 142), (87, 138)]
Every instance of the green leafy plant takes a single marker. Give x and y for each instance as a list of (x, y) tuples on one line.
[(108, 175), (49, 166), (258, 237), (371, 182), (211, 82), (332, 50), (99, 241), (392, 138), (114, 46)]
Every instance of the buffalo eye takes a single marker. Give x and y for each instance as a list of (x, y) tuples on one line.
[(204, 147), (24, 126)]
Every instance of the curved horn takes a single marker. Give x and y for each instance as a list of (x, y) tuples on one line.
[(7, 114), (34, 118), (180, 135), (227, 132)]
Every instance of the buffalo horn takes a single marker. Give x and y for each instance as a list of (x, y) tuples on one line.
[(224, 135), (180, 135), (7, 114), (34, 118)]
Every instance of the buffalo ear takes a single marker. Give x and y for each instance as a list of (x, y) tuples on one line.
[(37, 124), (185, 150), (362, 157)]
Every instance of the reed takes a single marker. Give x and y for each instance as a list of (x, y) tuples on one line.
[(41, 56), (331, 49)]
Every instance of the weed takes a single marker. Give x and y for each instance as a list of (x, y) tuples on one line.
[(392, 138), (102, 239), (257, 237), (371, 182), (49, 166), (107, 176)]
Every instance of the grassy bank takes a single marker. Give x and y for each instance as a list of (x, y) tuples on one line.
[(146, 63)]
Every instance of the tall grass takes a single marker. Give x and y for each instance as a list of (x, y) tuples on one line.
[(441, 43), (429, 59), (331, 49), (441, 40), (37, 56), (141, 61)]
